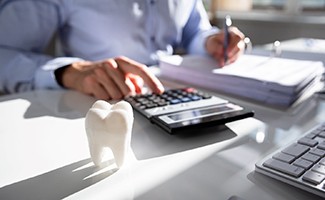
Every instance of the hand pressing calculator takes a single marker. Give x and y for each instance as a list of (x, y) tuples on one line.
[(178, 110)]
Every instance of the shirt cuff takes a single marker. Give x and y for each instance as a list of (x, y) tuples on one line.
[(45, 77), (197, 46)]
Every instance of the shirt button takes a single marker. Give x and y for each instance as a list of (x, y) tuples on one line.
[(152, 38), (152, 1)]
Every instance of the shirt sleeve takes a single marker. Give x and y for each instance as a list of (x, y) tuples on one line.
[(27, 27), (44, 76), (197, 29)]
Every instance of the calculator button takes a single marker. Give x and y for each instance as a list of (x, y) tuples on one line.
[(162, 103), (205, 96), (185, 99), (164, 96), (175, 101), (142, 107), (150, 105), (195, 98)]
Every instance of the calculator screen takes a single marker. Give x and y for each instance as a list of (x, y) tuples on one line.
[(198, 113)]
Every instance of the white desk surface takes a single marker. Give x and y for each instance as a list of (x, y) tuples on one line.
[(44, 153)]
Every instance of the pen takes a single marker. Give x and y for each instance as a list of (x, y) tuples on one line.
[(226, 38)]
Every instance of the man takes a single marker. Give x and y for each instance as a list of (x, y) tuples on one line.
[(105, 44)]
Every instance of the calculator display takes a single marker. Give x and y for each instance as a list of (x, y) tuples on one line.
[(198, 113)]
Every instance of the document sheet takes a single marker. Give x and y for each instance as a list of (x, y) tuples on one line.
[(271, 80)]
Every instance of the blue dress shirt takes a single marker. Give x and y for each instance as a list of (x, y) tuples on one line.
[(142, 30)]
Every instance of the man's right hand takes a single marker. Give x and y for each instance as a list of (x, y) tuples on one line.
[(113, 78)]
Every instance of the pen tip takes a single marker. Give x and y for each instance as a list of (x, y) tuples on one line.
[(228, 20)]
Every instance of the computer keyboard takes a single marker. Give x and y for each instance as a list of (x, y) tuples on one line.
[(301, 163)]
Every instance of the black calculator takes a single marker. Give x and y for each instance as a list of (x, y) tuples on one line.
[(178, 110)]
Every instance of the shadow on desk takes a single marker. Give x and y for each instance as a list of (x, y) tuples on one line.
[(56, 184), (149, 136)]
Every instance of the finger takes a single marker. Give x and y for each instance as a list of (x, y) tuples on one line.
[(236, 45), (107, 83), (131, 85), (218, 52), (236, 37), (130, 66), (214, 47), (93, 87), (214, 44), (100, 93), (236, 52), (219, 57), (137, 82), (233, 58), (121, 81)]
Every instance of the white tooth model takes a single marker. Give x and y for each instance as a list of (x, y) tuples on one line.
[(109, 126)]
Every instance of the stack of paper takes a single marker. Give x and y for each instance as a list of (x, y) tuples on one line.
[(271, 80)]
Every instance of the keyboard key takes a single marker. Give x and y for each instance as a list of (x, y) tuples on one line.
[(284, 157), (322, 134), (308, 141), (303, 163), (284, 167), (318, 152), (313, 177), (296, 150), (321, 145), (311, 135), (319, 168), (322, 161), (311, 157)]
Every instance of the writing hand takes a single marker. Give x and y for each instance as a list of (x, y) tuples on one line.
[(236, 46)]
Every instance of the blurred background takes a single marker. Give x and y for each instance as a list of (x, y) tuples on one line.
[(265, 21)]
